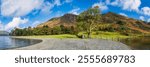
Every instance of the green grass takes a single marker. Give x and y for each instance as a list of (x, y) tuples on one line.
[(98, 35), (108, 35), (52, 36)]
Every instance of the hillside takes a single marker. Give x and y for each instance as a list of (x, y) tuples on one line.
[(127, 23), (67, 20), (109, 20)]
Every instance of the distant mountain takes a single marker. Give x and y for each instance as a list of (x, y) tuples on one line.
[(4, 33), (114, 20)]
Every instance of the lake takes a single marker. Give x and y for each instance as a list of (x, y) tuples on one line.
[(6, 42), (142, 43)]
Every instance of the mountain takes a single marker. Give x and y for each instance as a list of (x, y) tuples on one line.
[(66, 20), (113, 21), (4, 33), (129, 23)]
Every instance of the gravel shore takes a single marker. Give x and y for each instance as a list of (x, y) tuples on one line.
[(75, 44)]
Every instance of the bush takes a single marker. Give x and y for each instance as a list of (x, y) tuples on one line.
[(121, 23)]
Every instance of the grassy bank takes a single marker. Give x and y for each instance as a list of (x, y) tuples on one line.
[(98, 35), (108, 35), (51, 36)]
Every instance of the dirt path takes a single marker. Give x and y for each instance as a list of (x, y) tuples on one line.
[(76, 44)]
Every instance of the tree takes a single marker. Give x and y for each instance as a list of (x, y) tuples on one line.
[(29, 31), (17, 32), (62, 29), (56, 30), (45, 30), (121, 23), (88, 20)]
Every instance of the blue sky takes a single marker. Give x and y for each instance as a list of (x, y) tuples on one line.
[(24, 13)]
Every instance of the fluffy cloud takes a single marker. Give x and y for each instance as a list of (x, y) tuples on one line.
[(101, 5), (57, 2), (142, 18), (131, 5), (123, 14), (75, 11), (146, 11), (19, 7), (15, 23), (107, 1), (46, 7)]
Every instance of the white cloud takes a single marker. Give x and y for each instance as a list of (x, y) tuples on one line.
[(123, 14), (146, 11), (57, 2), (68, 1), (131, 5), (115, 3), (107, 1), (75, 11), (19, 7), (142, 18), (15, 23), (101, 5), (46, 7)]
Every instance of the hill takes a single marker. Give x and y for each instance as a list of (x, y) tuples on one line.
[(110, 22), (119, 21), (67, 20)]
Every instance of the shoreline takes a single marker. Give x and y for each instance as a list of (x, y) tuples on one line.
[(73, 44)]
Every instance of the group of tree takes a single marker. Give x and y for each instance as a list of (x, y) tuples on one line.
[(45, 30)]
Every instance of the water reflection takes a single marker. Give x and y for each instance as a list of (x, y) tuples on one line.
[(142, 43), (7, 42)]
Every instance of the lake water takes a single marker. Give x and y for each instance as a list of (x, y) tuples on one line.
[(142, 43), (7, 42)]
